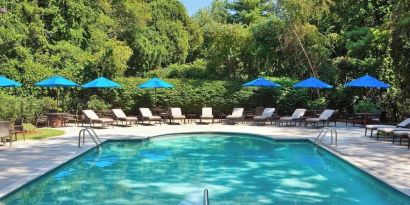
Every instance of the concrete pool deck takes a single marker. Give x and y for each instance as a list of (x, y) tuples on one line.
[(27, 160)]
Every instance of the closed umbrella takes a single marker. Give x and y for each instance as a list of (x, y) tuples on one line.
[(155, 83), (367, 82), (261, 83), (56, 82)]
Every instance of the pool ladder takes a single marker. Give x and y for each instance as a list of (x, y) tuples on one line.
[(91, 132), (322, 134), (206, 199)]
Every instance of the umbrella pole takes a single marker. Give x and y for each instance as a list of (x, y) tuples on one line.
[(57, 98), (155, 96), (260, 96), (365, 107)]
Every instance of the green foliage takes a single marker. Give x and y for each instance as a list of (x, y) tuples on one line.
[(208, 54), (192, 94), (366, 106), (194, 70), (318, 104), (26, 107), (96, 103)]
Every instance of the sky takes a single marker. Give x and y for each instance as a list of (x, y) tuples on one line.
[(194, 5)]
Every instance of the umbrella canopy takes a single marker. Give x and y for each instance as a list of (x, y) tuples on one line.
[(367, 81), (312, 83), (155, 83), (261, 82), (56, 81), (101, 82), (5, 82)]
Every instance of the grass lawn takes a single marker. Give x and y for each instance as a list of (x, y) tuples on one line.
[(38, 134)]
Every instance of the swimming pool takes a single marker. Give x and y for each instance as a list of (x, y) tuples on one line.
[(236, 169)]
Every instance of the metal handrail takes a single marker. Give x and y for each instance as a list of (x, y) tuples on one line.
[(322, 134), (206, 199), (92, 134)]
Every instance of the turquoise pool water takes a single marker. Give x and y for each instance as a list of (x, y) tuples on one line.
[(237, 169)]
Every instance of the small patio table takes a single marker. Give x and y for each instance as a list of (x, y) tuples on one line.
[(364, 116), (56, 118)]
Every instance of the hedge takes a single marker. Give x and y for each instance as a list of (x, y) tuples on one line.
[(189, 94)]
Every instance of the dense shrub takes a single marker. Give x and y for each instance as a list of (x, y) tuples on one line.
[(194, 70), (27, 107), (191, 95), (318, 104), (96, 103), (366, 106)]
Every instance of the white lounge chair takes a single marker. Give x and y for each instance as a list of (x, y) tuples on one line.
[(266, 115), (237, 115), (207, 114), (403, 124), (93, 118), (324, 118), (297, 115), (120, 116), (402, 134), (5, 132), (176, 114), (146, 114), (388, 131)]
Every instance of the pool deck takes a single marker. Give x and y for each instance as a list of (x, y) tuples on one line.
[(27, 160)]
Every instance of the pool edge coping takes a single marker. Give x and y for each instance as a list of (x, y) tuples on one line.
[(32, 177)]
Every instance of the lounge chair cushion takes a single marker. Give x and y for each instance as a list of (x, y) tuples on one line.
[(176, 113), (268, 112), (326, 114), (286, 119), (298, 113), (260, 118), (145, 112), (314, 120), (380, 126), (90, 115), (392, 129), (236, 113), (119, 113), (401, 133), (405, 123), (153, 118), (128, 118), (207, 113)]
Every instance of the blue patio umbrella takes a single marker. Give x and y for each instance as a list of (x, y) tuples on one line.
[(5, 82), (312, 83), (155, 83), (101, 82), (56, 82), (8, 83), (261, 83), (367, 81)]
